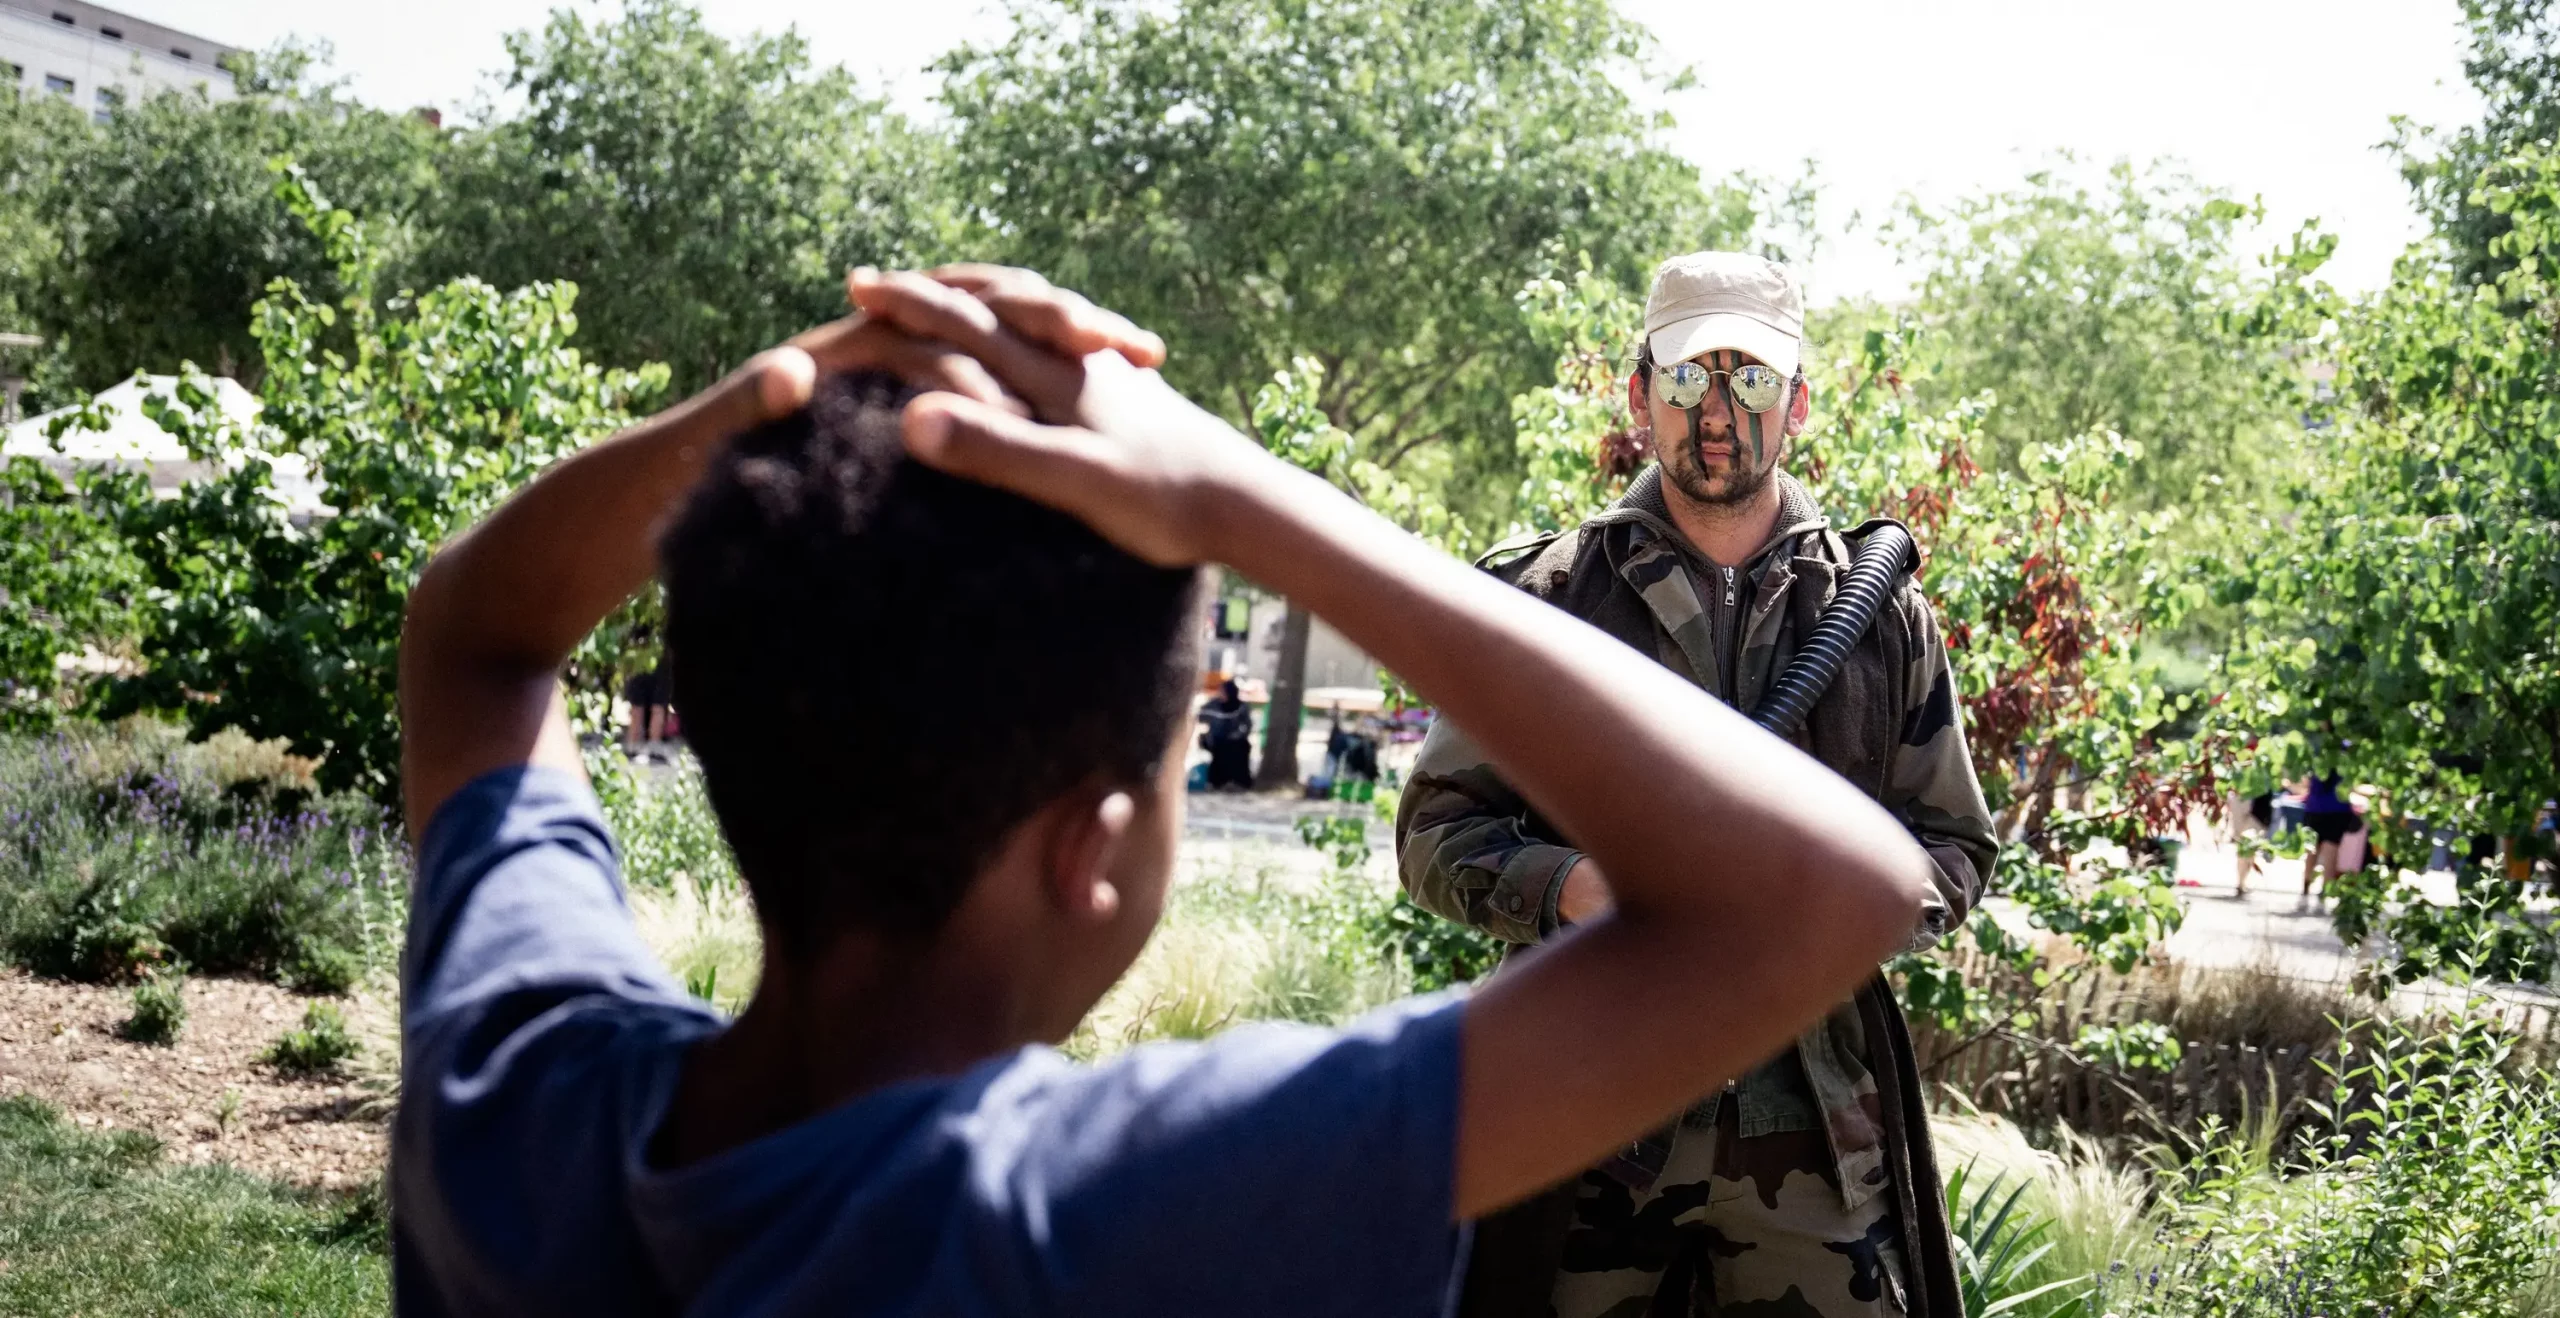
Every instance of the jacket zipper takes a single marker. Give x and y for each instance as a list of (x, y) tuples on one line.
[(1728, 588)]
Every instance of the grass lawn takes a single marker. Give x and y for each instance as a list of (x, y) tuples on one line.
[(96, 1224)]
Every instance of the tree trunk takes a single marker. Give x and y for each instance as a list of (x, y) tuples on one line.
[(1288, 703)]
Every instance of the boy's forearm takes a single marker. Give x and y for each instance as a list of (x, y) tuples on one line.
[(522, 588), (500, 608), (1753, 887)]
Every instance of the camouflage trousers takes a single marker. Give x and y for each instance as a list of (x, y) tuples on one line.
[(1733, 1228)]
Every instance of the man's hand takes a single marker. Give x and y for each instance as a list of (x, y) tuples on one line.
[(1586, 894)]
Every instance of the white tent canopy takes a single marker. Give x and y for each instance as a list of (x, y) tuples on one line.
[(132, 440)]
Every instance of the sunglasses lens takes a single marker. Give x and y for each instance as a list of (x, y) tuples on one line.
[(1756, 388), (1684, 383)]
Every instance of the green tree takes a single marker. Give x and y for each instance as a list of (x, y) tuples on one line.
[(33, 132), (2407, 605), (441, 404), (2085, 309), (707, 196), (169, 232), (1365, 185), (1575, 448), (2514, 63), (66, 587)]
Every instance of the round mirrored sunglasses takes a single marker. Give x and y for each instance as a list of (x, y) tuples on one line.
[(1756, 388)]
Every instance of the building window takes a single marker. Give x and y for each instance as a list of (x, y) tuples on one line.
[(183, 53), (109, 101), (64, 19), (57, 84), (112, 33), (11, 72)]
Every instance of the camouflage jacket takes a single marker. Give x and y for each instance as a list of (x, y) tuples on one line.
[(1470, 849)]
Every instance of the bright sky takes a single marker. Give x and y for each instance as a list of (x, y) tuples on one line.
[(2280, 99)]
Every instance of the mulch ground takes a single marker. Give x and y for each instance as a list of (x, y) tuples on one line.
[(60, 1042)]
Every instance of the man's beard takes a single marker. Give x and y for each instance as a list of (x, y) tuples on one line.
[(1736, 484)]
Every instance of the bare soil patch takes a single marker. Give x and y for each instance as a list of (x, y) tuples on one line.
[(61, 1042)]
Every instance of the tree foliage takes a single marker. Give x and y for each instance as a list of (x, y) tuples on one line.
[(2085, 309), (2405, 603), (66, 590), (33, 130), (443, 403), (2514, 64), (706, 195), (168, 231), (1365, 183)]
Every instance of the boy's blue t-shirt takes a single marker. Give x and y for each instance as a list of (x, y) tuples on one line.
[(1274, 1170)]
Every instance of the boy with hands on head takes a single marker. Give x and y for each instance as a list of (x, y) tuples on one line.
[(855, 531)]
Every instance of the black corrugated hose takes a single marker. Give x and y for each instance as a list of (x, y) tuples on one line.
[(1882, 555)]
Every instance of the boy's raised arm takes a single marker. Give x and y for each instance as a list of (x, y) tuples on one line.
[(1754, 887)]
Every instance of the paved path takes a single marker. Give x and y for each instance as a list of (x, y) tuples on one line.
[(1257, 833), (2273, 928)]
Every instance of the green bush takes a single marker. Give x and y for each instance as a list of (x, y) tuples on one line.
[(159, 1009), (125, 848), (1436, 953), (320, 1045), (318, 967), (2431, 1186), (664, 825)]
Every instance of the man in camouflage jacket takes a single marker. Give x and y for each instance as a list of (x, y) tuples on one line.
[(1806, 1189)]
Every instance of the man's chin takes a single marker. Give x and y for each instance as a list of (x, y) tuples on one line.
[(1714, 486)]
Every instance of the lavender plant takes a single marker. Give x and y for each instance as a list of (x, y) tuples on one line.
[(127, 849)]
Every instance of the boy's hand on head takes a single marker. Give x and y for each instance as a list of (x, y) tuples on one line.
[(1149, 470), (1025, 304), (774, 382), (1122, 450)]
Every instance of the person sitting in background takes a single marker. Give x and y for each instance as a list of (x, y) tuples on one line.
[(1360, 753), (946, 884), (1228, 737)]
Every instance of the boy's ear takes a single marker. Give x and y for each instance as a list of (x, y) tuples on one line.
[(1087, 842)]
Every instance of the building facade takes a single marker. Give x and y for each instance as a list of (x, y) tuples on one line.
[(99, 59)]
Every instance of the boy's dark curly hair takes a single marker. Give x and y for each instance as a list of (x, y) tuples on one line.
[(884, 669)]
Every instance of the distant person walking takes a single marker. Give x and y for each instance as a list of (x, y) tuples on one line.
[(2330, 818), (1228, 737), (2257, 812)]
